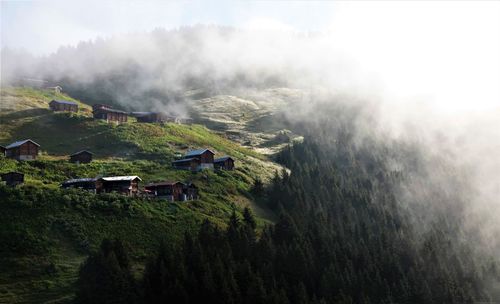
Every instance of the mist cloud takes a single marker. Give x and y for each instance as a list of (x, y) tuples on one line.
[(425, 73)]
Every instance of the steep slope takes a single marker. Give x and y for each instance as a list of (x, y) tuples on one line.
[(254, 118), (47, 231)]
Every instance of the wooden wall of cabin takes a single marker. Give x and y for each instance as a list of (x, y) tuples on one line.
[(207, 158), (81, 158)]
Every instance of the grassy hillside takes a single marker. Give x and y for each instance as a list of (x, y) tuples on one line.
[(47, 231), (254, 118)]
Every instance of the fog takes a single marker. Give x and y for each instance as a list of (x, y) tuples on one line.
[(427, 72)]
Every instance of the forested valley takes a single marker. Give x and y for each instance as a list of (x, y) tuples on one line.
[(345, 234)]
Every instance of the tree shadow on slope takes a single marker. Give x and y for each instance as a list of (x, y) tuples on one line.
[(5, 118)]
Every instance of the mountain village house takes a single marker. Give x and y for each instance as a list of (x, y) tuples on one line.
[(102, 111), (13, 178), (224, 163), (63, 105), (22, 150), (196, 160), (172, 191), (128, 185), (81, 157)]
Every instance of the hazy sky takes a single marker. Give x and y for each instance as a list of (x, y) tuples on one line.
[(42, 26), (442, 50)]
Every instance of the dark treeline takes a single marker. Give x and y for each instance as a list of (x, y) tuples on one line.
[(343, 236)]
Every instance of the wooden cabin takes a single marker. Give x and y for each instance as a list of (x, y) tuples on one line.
[(224, 163), (195, 160), (192, 164), (172, 191), (205, 156), (63, 105), (190, 191), (81, 157), (13, 178), (22, 150), (128, 185), (88, 184), (105, 112)]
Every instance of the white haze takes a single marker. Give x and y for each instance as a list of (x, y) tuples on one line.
[(431, 68)]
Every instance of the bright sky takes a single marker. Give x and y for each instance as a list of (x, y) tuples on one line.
[(443, 51), (42, 26)]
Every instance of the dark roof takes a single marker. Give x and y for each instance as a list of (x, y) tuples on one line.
[(19, 143), (11, 172), (111, 111), (198, 152), (80, 152), (184, 160), (64, 102), (165, 183), (224, 158)]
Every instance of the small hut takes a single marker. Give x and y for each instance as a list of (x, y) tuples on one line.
[(2, 150), (224, 163), (13, 178), (81, 157), (22, 150), (56, 89)]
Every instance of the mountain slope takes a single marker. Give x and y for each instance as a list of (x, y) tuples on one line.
[(47, 231), (254, 118)]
